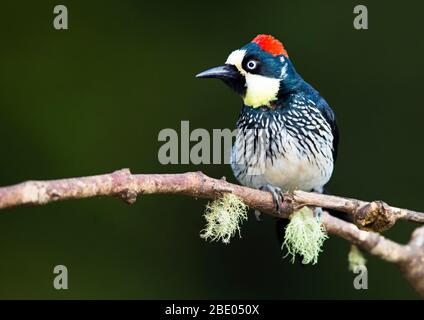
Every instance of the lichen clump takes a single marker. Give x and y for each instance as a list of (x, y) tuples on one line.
[(356, 259), (304, 235), (223, 218)]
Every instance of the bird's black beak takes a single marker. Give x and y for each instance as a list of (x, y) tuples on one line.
[(229, 74), (226, 71)]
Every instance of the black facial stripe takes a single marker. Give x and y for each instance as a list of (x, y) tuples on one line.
[(237, 83)]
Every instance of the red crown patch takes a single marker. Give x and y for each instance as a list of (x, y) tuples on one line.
[(270, 44)]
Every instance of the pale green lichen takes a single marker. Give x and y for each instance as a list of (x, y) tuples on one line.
[(356, 258), (223, 218), (304, 235)]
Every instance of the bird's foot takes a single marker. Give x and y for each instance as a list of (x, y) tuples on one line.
[(277, 195), (258, 215), (318, 213)]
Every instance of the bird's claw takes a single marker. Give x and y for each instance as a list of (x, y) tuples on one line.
[(258, 215), (318, 213), (277, 195)]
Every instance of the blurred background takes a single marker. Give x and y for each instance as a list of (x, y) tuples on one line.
[(93, 99)]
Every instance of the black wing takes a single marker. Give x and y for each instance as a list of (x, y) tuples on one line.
[(330, 117)]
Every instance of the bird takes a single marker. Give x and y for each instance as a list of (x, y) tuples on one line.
[(287, 135)]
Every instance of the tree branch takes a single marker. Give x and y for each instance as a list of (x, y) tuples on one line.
[(375, 215)]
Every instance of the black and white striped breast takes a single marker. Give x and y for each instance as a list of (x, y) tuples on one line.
[(291, 147)]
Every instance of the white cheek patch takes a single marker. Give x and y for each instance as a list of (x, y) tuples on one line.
[(260, 90), (236, 58)]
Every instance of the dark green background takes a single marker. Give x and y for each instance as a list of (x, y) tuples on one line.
[(92, 100)]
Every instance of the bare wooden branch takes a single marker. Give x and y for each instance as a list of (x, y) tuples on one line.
[(375, 215)]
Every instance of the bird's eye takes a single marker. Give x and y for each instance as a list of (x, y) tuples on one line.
[(251, 64)]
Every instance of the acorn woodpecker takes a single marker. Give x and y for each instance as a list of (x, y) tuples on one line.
[(287, 134)]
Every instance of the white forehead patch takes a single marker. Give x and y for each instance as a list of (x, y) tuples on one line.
[(236, 58)]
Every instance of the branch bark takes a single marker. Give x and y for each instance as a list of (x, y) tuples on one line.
[(368, 216)]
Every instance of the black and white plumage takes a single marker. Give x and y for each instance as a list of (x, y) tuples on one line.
[(289, 147), (287, 133)]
